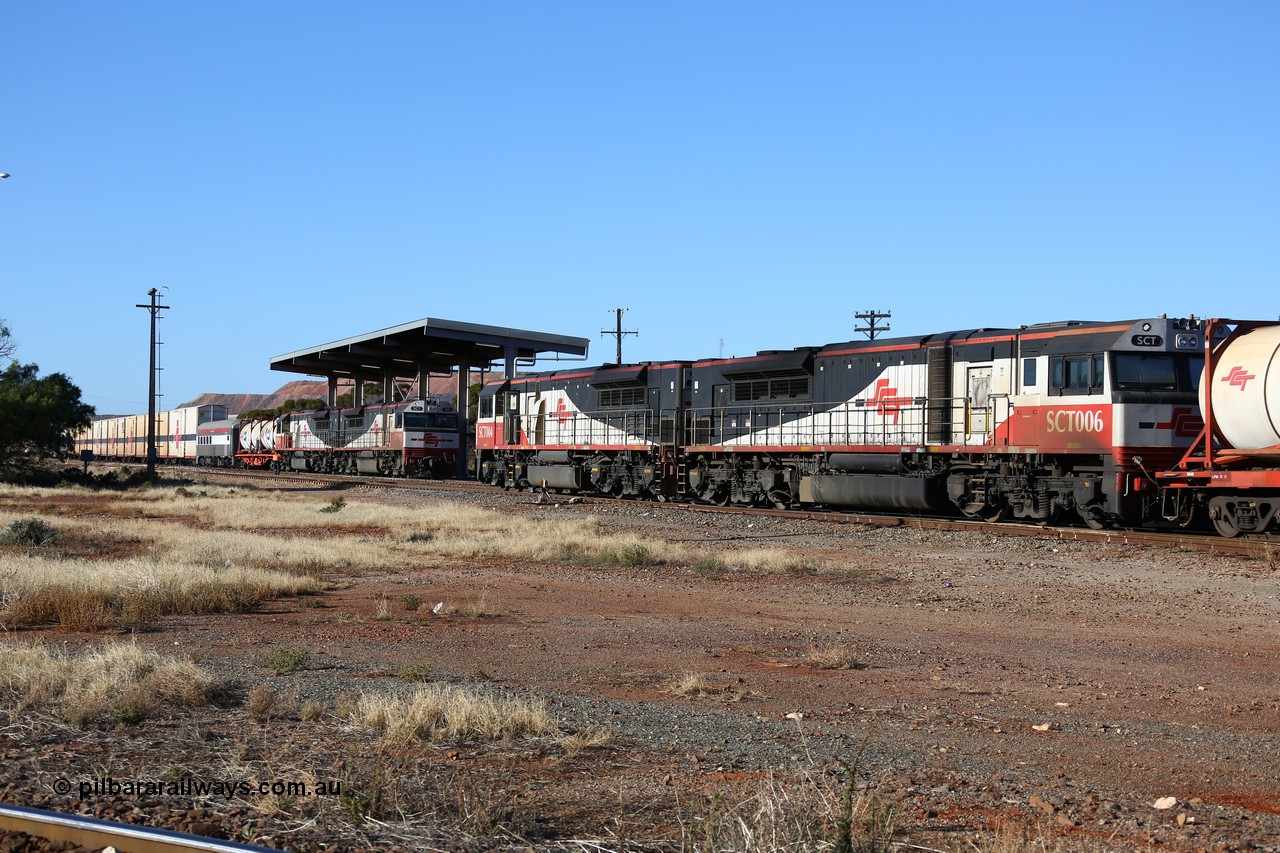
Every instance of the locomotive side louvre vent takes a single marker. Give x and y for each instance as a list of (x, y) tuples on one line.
[(938, 412), (792, 387), (613, 398)]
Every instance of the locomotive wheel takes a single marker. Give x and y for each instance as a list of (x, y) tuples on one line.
[(985, 512), (1226, 527), (1093, 517)]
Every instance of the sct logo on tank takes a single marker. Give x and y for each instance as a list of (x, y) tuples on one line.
[(1238, 377), (1075, 420)]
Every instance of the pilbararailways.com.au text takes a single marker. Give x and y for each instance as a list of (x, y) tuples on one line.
[(188, 786)]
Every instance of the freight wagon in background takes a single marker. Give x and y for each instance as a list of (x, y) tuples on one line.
[(417, 438), (1035, 423), (124, 439)]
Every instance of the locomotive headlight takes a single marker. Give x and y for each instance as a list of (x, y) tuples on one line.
[(1185, 341)]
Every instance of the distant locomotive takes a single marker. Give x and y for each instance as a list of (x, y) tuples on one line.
[(1032, 423), (415, 439), (419, 438)]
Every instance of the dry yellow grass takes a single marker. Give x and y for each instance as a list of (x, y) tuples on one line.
[(772, 561), (247, 540), (444, 713), (462, 531), (115, 680), (423, 534), (86, 595), (832, 657), (689, 684)]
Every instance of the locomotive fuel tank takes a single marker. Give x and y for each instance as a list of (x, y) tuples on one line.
[(1246, 389)]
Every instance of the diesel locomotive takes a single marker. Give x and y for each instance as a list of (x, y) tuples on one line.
[(417, 438), (1036, 423)]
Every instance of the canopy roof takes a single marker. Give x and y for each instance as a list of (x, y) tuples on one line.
[(428, 344)]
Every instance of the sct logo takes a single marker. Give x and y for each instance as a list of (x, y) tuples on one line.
[(886, 401), (1184, 421), (1065, 421), (1237, 377)]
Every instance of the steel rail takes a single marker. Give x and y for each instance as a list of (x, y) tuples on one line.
[(1207, 542), (95, 833)]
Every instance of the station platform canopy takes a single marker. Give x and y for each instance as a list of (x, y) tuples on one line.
[(423, 346)]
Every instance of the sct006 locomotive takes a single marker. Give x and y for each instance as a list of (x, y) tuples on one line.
[(1033, 423), (419, 438)]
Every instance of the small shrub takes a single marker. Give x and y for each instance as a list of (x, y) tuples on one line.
[(132, 714), (29, 531), (260, 702), (689, 684), (286, 658), (310, 601), (479, 608), (416, 672), (384, 609), (312, 711), (832, 657), (630, 554), (335, 505), (590, 738), (709, 567), (410, 602)]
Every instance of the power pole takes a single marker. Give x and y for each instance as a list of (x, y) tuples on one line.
[(618, 333), (154, 307), (871, 329)]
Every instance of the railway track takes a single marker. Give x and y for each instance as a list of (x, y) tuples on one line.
[(1253, 546), (93, 833)]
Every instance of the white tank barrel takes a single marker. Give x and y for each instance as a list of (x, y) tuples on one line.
[(246, 439), (255, 436), (1246, 390), (268, 437)]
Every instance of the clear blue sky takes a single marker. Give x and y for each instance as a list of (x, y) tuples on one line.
[(297, 173)]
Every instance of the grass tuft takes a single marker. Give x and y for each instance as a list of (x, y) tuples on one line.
[(441, 713), (286, 658), (832, 657), (416, 672), (118, 681)]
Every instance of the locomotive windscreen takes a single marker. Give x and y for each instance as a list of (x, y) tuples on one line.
[(430, 420)]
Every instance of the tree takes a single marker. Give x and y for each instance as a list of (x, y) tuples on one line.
[(372, 391), (296, 404), (38, 415), (8, 346)]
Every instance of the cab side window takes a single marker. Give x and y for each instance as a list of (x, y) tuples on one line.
[(1076, 374)]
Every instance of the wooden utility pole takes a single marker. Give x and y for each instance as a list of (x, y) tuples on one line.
[(154, 307), (618, 333), (871, 329)]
